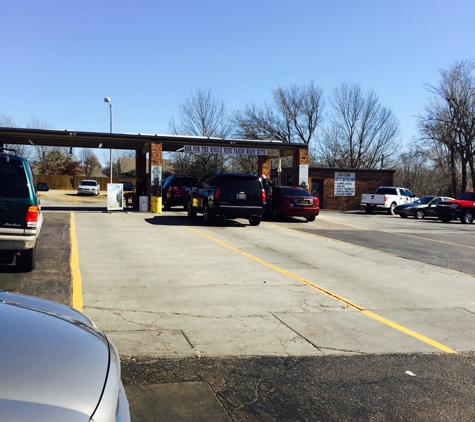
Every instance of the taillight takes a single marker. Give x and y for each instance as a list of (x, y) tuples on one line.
[(217, 191), (32, 216), (263, 195), (385, 198), (315, 202), (287, 202)]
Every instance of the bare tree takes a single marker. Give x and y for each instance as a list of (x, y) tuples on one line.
[(201, 114), (89, 161), (449, 119), (361, 133), (292, 117)]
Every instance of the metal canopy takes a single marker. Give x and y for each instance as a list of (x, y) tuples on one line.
[(170, 143)]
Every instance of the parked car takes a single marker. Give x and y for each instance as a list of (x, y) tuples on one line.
[(462, 208), (228, 195), (386, 198), (89, 187), (293, 202), (56, 365), (421, 208), (129, 187), (21, 217), (175, 190)]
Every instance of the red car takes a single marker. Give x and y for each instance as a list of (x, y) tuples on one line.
[(287, 201), (462, 208)]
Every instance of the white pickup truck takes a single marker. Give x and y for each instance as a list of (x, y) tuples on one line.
[(386, 198)]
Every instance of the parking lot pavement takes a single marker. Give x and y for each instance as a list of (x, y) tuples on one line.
[(271, 323)]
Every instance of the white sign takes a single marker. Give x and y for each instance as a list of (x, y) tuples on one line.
[(229, 150), (344, 184), (303, 174), (156, 175), (115, 192)]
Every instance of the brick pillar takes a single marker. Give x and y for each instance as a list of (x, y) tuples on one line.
[(263, 166), (154, 160), (300, 157)]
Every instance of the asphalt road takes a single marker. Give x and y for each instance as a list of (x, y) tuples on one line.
[(226, 310)]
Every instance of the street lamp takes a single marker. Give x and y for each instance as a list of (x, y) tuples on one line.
[(108, 101)]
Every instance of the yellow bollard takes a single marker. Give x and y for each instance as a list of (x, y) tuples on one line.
[(156, 204)]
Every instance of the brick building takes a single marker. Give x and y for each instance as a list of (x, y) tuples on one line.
[(339, 189)]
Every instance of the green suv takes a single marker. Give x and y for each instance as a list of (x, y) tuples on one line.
[(20, 212)]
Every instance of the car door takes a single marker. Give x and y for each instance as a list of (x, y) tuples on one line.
[(430, 210)]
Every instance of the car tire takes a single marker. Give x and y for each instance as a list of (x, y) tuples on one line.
[(391, 208), (255, 221), (167, 205), (403, 215), (276, 215), (419, 214), (191, 212), (310, 219), (26, 261), (207, 214), (369, 209), (467, 217)]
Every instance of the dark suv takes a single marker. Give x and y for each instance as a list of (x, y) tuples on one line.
[(175, 190), (20, 212), (228, 195)]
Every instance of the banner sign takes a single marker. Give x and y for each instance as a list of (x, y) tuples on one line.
[(115, 192), (229, 150), (344, 184)]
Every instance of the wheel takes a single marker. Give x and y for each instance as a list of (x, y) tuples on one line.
[(255, 221), (403, 215), (207, 214), (310, 219), (391, 208), (26, 261), (191, 212), (420, 214), (467, 217), (445, 219), (276, 214), (167, 205), (369, 209)]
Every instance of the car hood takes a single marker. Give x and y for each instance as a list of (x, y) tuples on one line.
[(53, 366)]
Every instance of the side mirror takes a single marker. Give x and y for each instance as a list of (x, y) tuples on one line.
[(42, 187)]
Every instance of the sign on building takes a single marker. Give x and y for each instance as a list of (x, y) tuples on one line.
[(344, 184), (229, 150)]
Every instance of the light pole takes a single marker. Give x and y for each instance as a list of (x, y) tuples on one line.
[(108, 101)]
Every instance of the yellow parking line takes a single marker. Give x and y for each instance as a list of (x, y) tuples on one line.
[(75, 273), (331, 294)]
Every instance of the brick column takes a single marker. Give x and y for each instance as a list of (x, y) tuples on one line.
[(154, 160), (263, 166)]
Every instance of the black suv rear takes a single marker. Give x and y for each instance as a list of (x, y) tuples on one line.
[(228, 195), (20, 213), (175, 190)]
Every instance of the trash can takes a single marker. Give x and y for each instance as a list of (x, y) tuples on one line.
[(143, 204), (156, 204)]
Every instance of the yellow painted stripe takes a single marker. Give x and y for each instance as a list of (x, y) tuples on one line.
[(75, 273), (331, 294)]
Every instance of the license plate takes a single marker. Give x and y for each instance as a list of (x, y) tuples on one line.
[(241, 196)]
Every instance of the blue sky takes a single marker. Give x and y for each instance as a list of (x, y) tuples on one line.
[(59, 59)]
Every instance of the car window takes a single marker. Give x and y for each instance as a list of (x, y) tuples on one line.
[(245, 182), (89, 183), (289, 191), (386, 191), (13, 182)]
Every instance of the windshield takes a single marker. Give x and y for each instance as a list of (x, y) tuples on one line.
[(467, 196), (89, 183), (294, 192), (424, 200)]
